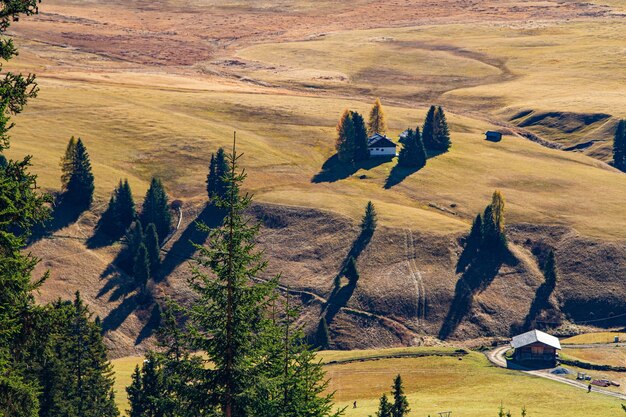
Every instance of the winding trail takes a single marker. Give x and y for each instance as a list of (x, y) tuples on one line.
[(404, 333), (416, 276), (496, 356)]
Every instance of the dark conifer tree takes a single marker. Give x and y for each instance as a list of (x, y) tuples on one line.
[(125, 206), (22, 208), (67, 163), (147, 389), (345, 145), (134, 237), (141, 268), (428, 130), (155, 209), (619, 146), (73, 370), (361, 152), (400, 407), (120, 212), (210, 178), (350, 271), (151, 240), (216, 180), (369, 221), (413, 154), (80, 185), (384, 407), (441, 131)]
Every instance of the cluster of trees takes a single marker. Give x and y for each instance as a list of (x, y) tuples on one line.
[(398, 406), (619, 146), (52, 359), (77, 180), (352, 134), (434, 137), (230, 353), (216, 181), (120, 212), (487, 236), (435, 132), (143, 254), (351, 142)]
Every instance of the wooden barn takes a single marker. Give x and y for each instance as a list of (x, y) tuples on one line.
[(380, 145), (536, 346)]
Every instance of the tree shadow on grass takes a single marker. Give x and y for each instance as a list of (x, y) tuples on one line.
[(63, 214), (398, 174), (335, 170), (477, 277), (100, 239), (340, 295), (119, 314), (183, 249), (152, 324)]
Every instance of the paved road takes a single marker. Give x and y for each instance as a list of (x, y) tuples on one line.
[(496, 356)]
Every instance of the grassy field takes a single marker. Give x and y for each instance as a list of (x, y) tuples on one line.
[(470, 387), (597, 337), (614, 356)]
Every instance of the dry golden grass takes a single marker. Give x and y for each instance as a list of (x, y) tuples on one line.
[(591, 338), (470, 387)]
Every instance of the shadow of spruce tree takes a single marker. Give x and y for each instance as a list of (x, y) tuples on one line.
[(340, 295), (183, 249), (477, 277), (64, 213), (335, 170)]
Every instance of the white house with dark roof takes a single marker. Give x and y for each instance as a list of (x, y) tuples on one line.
[(381, 145), (535, 346)]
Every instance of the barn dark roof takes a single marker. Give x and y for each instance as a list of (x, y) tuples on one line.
[(535, 336), (380, 141)]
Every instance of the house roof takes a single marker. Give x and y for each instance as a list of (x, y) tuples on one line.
[(380, 141), (492, 132), (535, 336)]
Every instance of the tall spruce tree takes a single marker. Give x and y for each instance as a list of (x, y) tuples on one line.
[(151, 240), (22, 207), (361, 152), (400, 407), (345, 145), (441, 131), (155, 209), (80, 186), (120, 212), (370, 219), (619, 146), (80, 382), (412, 154), (141, 268), (384, 407), (216, 180), (228, 319), (428, 130), (377, 122), (67, 163), (494, 238)]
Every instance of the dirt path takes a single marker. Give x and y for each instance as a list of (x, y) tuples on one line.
[(416, 277), (496, 356), (402, 331)]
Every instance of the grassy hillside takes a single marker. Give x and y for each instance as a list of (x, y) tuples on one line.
[(154, 89), (469, 387)]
